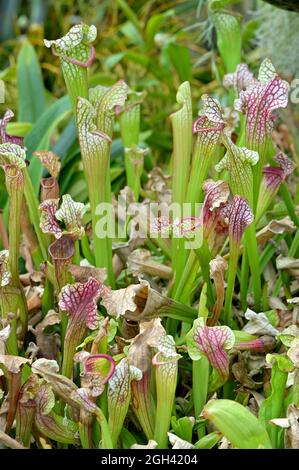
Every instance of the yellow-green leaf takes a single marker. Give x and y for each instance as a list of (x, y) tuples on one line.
[(238, 424)]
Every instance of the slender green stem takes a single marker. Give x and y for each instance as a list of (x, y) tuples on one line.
[(34, 213), (108, 199), (244, 280), (204, 256), (182, 293), (270, 250), (271, 407), (103, 402), (264, 149), (77, 257), (232, 270), (129, 13), (85, 429), (176, 310), (184, 287), (251, 246), (87, 253), (200, 381), (277, 287), (106, 435), (265, 297), (74, 333), (290, 205), (201, 162), (295, 244), (134, 158), (164, 245), (48, 297), (30, 237)]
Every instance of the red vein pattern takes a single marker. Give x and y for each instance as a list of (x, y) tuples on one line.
[(80, 300)]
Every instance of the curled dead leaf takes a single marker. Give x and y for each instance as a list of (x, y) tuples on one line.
[(289, 264), (178, 443), (150, 445), (275, 227), (258, 324), (61, 385), (218, 266), (139, 354), (139, 302), (242, 374), (13, 364)]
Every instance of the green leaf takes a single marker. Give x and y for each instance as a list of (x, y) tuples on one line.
[(219, 4), (112, 329), (203, 312), (64, 146), (243, 336), (130, 14), (288, 335), (131, 32), (119, 394), (272, 406), (284, 364), (208, 441), (113, 59), (138, 58), (181, 60), (20, 129), (238, 424), (182, 427), (273, 317), (229, 38), (39, 137), (249, 31), (127, 439), (153, 26), (31, 92)]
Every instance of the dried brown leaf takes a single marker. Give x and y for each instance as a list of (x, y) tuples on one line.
[(218, 266), (275, 227), (292, 433), (83, 273)]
